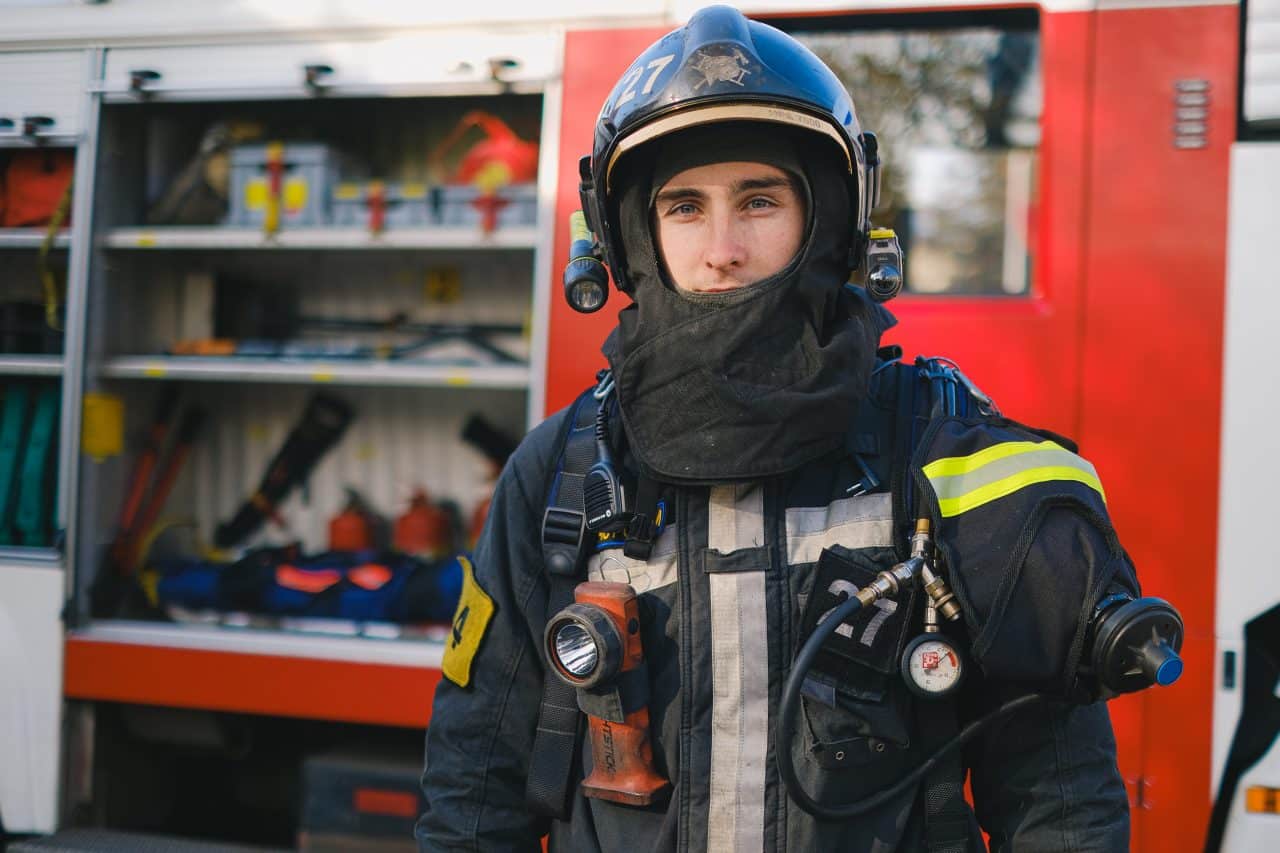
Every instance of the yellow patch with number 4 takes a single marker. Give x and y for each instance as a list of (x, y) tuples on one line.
[(475, 609)]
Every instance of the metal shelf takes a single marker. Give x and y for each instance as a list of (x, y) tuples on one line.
[(255, 671), (35, 557), (217, 237), (30, 365), (31, 238), (316, 645), (304, 372)]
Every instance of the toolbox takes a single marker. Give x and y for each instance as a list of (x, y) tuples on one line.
[(376, 205), (299, 177), (360, 798), (463, 205)]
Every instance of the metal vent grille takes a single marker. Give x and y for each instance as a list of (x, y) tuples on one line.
[(1191, 113)]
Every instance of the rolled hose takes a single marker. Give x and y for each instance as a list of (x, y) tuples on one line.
[(787, 717)]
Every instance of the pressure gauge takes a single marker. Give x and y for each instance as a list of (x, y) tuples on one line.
[(932, 666)]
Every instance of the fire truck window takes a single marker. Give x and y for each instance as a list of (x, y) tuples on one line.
[(957, 113)]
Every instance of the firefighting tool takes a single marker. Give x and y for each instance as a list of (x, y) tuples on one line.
[(155, 471), (145, 497), (594, 646), (497, 447), (1130, 645), (353, 528), (586, 281), (424, 529), (319, 429), (28, 435)]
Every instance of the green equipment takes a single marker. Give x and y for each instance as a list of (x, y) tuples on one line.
[(13, 425), (33, 519)]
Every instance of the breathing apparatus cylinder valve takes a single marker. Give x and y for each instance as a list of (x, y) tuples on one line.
[(594, 645), (1134, 644), (586, 281)]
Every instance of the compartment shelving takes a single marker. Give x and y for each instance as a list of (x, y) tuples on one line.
[(31, 238), (31, 365), (319, 239), (318, 372), (138, 292)]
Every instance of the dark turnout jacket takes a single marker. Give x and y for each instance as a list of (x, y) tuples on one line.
[(724, 603)]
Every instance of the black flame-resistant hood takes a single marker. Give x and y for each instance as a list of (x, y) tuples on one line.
[(760, 380)]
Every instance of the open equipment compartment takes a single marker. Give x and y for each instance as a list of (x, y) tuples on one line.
[(415, 325)]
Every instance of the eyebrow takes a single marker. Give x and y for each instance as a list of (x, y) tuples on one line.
[(771, 182), (684, 193)]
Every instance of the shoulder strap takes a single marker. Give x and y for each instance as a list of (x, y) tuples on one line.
[(916, 394), (564, 538)]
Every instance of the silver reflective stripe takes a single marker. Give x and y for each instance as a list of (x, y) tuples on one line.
[(660, 570), (861, 522), (739, 676)]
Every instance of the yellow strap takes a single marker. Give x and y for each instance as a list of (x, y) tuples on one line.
[(48, 281), (271, 217)]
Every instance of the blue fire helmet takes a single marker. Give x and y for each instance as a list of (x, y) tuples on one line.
[(722, 67)]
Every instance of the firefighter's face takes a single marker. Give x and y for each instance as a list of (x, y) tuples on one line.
[(726, 225)]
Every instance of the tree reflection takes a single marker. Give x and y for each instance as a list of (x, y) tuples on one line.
[(957, 113)]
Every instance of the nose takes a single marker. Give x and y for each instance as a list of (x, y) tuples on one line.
[(726, 248)]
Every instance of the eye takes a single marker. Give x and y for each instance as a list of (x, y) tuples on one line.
[(684, 208), (761, 203)]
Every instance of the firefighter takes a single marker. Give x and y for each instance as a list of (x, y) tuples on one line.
[(742, 469)]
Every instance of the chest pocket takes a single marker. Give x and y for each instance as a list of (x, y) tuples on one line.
[(873, 637), (855, 705), (835, 551)]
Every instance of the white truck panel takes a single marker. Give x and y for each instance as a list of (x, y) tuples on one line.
[(1246, 574), (41, 83), (30, 696), (408, 63), (163, 21), (1261, 80)]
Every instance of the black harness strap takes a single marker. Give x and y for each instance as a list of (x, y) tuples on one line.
[(939, 389), (642, 530), (564, 549), (946, 814)]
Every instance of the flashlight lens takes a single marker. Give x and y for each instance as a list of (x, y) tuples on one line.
[(587, 296), (576, 650)]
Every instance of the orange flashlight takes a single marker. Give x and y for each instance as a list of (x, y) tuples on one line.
[(594, 645)]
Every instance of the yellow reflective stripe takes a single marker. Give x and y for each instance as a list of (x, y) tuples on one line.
[(953, 465), (952, 506)]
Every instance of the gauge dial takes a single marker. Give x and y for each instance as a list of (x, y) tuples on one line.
[(932, 666)]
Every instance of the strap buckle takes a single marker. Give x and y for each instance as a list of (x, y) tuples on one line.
[(604, 384), (564, 532), (869, 482)]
